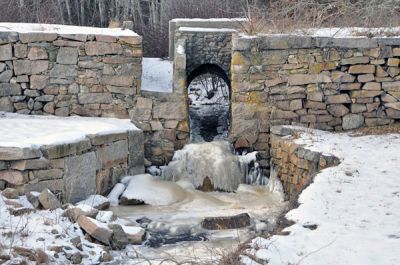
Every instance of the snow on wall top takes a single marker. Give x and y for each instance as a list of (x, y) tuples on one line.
[(31, 131), (209, 19), (191, 29), (64, 29)]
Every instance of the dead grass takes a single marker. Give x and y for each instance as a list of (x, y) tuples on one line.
[(381, 130)]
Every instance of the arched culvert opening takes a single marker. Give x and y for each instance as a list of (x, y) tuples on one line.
[(209, 103)]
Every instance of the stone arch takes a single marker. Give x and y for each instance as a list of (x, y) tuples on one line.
[(209, 69)]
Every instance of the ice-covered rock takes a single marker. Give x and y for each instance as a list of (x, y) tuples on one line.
[(115, 193), (146, 188)]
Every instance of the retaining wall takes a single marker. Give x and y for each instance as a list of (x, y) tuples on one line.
[(321, 82), (53, 72), (295, 165)]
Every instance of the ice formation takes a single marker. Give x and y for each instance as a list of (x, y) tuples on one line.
[(216, 161)]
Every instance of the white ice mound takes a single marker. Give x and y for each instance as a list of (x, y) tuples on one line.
[(214, 160), (154, 192)]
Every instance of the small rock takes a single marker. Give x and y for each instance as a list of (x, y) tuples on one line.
[(77, 242), (96, 201), (105, 257), (10, 193), (73, 213), (54, 231), (135, 235), (106, 216), (76, 258), (119, 239), (226, 222), (41, 257), (33, 198), (48, 200), (207, 185)]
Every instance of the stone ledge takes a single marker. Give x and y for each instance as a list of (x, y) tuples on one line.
[(281, 42)]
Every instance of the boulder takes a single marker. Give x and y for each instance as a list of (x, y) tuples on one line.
[(226, 222), (48, 200), (96, 229), (33, 198)]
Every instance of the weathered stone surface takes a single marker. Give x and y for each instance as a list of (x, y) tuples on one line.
[(365, 93), (10, 90), (22, 165), (304, 79), (96, 229), (63, 150), (102, 48), (6, 76), (362, 69), (122, 81), (6, 105), (64, 71), (169, 110), (228, 222), (80, 176), (113, 153), (14, 177), (22, 67), (391, 86), (5, 52), (8, 37), (67, 55), (16, 153), (48, 174), (38, 82), (337, 99), (352, 121), (37, 53), (95, 98), (340, 77), (37, 37), (393, 113), (337, 110), (48, 200), (394, 105), (355, 60), (33, 198), (372, 86)]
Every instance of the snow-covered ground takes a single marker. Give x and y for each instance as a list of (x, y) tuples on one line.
[(64, 29), (34, 131), (157, 75), (350, 214)]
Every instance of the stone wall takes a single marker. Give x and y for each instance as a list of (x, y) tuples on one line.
[(295, 165), (326, 83), (75, 170), (69, 74), (206, 46)]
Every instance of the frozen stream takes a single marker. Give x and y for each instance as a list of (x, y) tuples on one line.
[(175, 206)]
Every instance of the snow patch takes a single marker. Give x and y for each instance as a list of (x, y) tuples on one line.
[(157, 75)]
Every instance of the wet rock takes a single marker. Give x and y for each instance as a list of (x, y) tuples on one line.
[(95, 229), (119, 239), (125, 201), (207, 185), (10, 193), (226, 222), (48, 200)]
